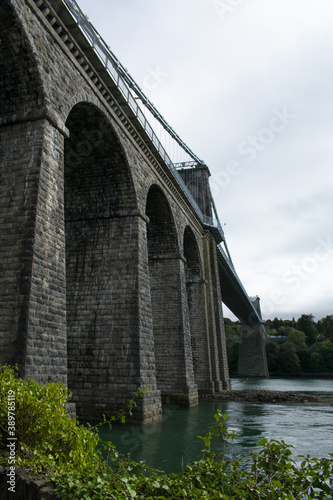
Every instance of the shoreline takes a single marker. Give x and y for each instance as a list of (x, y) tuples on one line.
[(271, 397)]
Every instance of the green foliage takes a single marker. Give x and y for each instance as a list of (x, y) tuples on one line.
[(303, 352), (217, 433), (307, 325), (325, 327), (47, 438), (124, 413), (273, 356), (297, 338), (276, 323), (49, 441), (289, 361), (317, 358), (308, 353)]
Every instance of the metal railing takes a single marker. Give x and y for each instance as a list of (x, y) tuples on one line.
[(187, 164), (212, 222), (124, 81)]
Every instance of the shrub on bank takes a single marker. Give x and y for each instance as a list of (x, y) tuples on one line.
[(53, 445)]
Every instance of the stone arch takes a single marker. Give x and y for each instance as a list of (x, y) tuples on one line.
[(96, 168), (173, 356), (192, 269), (21, 88), (161, 231), (101, 263)]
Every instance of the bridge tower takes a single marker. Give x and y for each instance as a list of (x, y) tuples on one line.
[(252, 361)]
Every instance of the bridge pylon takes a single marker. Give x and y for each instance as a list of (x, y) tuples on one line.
[(252, 361)]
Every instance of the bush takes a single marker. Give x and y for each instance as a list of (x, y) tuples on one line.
[(48, 440), (52, 443)]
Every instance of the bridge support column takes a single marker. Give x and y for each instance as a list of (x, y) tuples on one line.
[(197, 304), (33, 291), (216, 352), (221, 348), (252, 361), (172, 342), (110, 341), (149, 406)]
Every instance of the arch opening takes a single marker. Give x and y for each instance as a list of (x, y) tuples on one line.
[(161, 232), (101, 277), (192, 256)]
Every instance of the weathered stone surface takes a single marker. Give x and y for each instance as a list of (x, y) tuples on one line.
[(25, 487)]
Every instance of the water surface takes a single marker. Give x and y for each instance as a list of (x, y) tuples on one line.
[(172, 443)]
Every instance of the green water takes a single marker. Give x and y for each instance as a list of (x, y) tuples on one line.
[(172, 443)]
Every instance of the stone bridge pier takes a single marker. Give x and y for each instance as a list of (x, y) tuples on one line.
[(252, 361), (109, 279)]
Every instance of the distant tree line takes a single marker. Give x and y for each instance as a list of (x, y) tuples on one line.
[(293, 346)]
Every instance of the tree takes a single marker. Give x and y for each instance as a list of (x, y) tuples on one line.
[(277, 323), (297, 338), (325, 326), (283, 331), (288, 360), (307, 325), (273, 356), (315, 364), (325, 352), (302, 352)]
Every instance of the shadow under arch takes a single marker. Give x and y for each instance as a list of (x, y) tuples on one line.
[(192, 255), (21, 86), (161, 231), (195, 300), (173, 356), (101, 269)]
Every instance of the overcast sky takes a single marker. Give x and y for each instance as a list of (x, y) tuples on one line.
[(248, 85)]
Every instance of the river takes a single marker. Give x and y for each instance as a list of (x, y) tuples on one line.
[(172, 443)]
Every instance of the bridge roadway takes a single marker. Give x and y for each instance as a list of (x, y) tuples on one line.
[(127, 92)]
